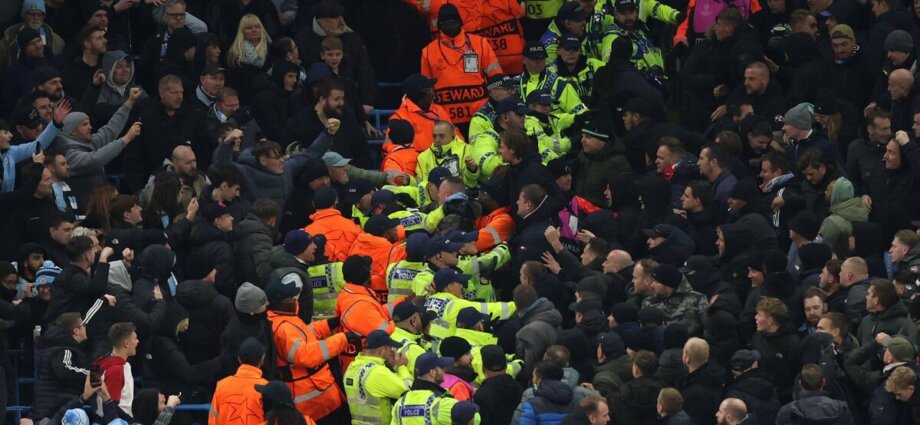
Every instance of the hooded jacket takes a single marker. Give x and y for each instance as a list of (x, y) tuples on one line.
[(702, 392), (893, 321), (253, 248), (636, 403), (593, 169), (270, 102), (496, 398), (845, 208), (900, 201), (208, 241), (154, 268), (815, 407), (88, 158), (209, 313), (111, 95), (675, 249), (721, 327), (539, 329), (758, 393), (168, 368), (552, 402), (739, 252)]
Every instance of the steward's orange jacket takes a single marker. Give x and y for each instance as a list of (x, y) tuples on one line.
[(383, 253), (236, 401), (303, 353), (496, 20), (494, 228), (422, 122), (448, 59), (399, 158), (359, 311), (340, 232)]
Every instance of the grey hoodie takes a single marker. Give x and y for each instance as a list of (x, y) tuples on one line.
[(87, 159), (110, 93)]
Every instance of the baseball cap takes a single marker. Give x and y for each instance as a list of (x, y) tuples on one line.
[(213, 210), (900, 348), (415, 245), (380, 338), (251, 351), (843, 31), (539, 97), (296, 241), (279, 289), (447, 276), (463, 412), (27, 116), (535, 50), (418, 82), (404, 311), (462, 237), (213, 68), (334, 159), (324, 197), (493, 358), (624, 5), (696, 263), (570, 11), (437, 175), (470, 316), (278, 392), (439, 244), (611, 343), (744, 359), (357, 188), (427, 361), (329, 9), (570, 42), (380, 223), (511, 104), (382, 197), (659, 231), (500, 81)]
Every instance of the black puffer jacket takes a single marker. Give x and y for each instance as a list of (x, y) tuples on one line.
[(209, 313), (207, 241), (63, 371), (815, 407), (720, 327), (675, 249), (270, 102), (636, 404), (739, 252), (253, 248), (243, 326), (167, 367), (780, 357)]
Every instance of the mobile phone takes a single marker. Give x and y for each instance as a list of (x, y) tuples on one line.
[(95, 377), (38, 148)]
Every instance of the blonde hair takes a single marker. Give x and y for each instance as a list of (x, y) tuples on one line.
[(235, 53), (901, 378)]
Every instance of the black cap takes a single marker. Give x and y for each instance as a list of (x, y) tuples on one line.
[(278, 392), (454, 346), (743, 359), (512, 104), (324, 197), (495, 188), (806, 224), (357, 269), (624, 313), (638, 105), (415, 245), (415, 83), (45, 73), (535, 50), (27, 116), (592, 285), (539, 97), (696, 263), (624, 5), (611, 343), (586, 305), (437, 175), (570, 11), (659, 231), (570, 42), (329, 9), (448, 12), (445, 277), (213, 68), (463, 412), (814, 255), (400, 131), (500, 81), (199, 265), (383, 197), (595, 129), (379, 224), (278, 289), (251, 351), (380, 338), (469, 317), (213, 210), (25, 36), (651, 316), (745, 190), (668, 275), (559, 167), (404, 310), (356, 189), (825, 102)]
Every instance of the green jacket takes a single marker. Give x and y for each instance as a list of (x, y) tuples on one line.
[(893, 321), (610, 375), (594, 169), (565, 96), (450, 156), (845, 209)]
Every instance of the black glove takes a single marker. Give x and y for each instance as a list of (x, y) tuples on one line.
[(680, 17), (333, 323), (355, 340)]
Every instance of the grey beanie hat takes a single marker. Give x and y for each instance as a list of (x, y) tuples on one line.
[(800, 116), (249, 298), (899, 41), (72, 121)]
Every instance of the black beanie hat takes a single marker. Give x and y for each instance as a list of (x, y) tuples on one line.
[(25, 36), (448, 12), (454, 346)]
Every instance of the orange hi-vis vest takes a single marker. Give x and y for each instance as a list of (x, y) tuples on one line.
[(494, 228), (303, 352), (399, 158), (340, 232), (496, 20), (236, 401), (382, 253), (360, 312), (422, 122), (462, 65)]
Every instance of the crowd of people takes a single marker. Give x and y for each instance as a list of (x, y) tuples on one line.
[(596, 212)]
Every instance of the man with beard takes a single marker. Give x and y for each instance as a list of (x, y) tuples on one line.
[(732, 411), (815, 305), (426, 398), (184, 163), (29, 70), (79, 73), (350, 141), (626, 17)]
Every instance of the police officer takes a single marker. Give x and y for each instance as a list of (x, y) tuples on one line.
[(500, 87), (575, 68), (409, 332), (510, 114), (401, 273), (376, 378), (627, 23), (537, 76), (472, 326), (570, 20), (479, 266), (547, 127), (326, 279), (426, 402), (448, 301), (448, 151)]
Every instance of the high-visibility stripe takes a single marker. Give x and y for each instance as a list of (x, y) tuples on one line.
[(494, 233), (504, 310), (383, 325), (492, 67), (325, 350), (292, 353), (214, 412), (484, 308), (308, 396)]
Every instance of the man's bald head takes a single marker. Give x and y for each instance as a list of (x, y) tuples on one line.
[(184, 162), (617, 260), (900, 83), (696, 353), (733, 410)]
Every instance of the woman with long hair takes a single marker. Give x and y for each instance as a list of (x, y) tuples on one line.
[(150, 407), (164, 206), (247, 55), (97, 208)]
